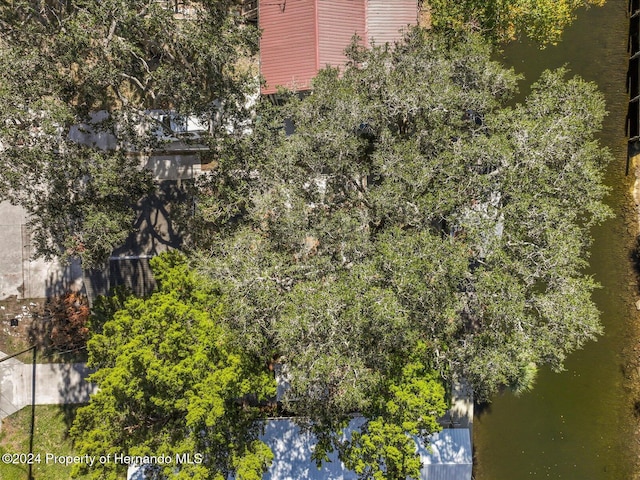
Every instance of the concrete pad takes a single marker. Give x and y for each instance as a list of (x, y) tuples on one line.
[(55, 384), (10, 361), (46, 279), (21, 274), (62, 383), (15, 388), (12, 219)]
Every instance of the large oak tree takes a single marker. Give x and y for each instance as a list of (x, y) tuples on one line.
[(415, 208), (61, 62)]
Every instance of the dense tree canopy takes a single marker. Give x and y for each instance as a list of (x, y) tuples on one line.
[(384, 447), (540, 20), (61, 61), (416, 228), (414, 205), (171, 382)]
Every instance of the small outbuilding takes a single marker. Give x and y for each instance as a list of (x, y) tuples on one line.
[(448, 455)]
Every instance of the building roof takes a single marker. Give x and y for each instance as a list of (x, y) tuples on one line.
[(451, 446), (292, 449), (448, 456), (299, 38), (155, 231)]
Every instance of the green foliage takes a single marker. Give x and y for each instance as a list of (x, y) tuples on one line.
[(385, 447), (413, 205), (50, 436), (80, 202), (171, 382), (542, 21), (61, 61)]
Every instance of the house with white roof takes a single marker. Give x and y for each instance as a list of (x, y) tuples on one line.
[(447, 456)]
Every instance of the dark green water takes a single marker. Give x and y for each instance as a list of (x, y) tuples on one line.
[(579, 424)]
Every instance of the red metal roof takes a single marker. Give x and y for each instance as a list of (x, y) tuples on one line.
[(338, 22), (301, 36), (288, 43)]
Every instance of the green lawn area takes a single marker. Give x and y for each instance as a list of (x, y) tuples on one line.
[(51, 436)]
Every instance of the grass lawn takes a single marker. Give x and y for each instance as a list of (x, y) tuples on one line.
[(51, 436)]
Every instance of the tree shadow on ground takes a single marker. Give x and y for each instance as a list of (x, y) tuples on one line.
[(164, 220), (161, 222), (63, 278), (75, 390), (68, 412)]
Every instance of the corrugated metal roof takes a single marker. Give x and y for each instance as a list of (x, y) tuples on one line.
[(154, 232), (386, 19), (449, 446), (450, 458), (133, 273), (292, 449), (338, 21), (288, 47), (301, 36)]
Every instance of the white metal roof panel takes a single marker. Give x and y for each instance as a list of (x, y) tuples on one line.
[(450, 457)]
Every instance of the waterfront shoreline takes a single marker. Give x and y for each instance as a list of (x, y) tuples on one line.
[(631, 355)]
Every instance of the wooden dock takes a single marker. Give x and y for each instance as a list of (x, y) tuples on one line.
[(632, 127)]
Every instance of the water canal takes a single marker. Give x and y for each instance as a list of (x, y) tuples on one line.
[(580, 423)]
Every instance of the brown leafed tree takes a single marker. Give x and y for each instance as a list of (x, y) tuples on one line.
[(69, 315)]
